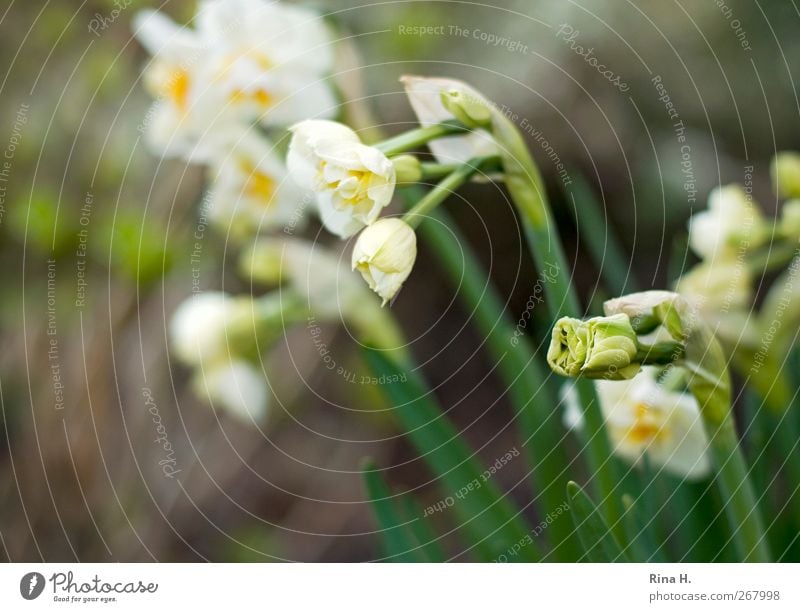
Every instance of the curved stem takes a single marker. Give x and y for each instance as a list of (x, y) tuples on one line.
[(443, 190), (710, 384), (525, 185), (660, 353), (433, 170), (413, 139)]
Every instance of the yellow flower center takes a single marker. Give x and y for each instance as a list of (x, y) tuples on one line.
[(260, 96), (169, 82), (259, 184), (352, 189), (645, 429)]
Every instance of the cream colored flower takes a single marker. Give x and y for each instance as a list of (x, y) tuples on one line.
[(731, 223), (643, 417), (197, 329), (425, 96), (384, 254), (251, 190), (269, 60), (641, 304), (790, 219), (247, 60), (721, 294), (174, 77), (327, 285), (238, 387), (353, 181)]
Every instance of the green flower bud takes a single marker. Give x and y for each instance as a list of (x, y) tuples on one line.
[(612, 347), (785, 171), (567, 352), (790, 219), (468, 109), (602, 347), (407, 169)]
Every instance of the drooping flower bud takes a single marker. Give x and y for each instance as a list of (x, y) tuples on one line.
[(384, 254), (469, 109)]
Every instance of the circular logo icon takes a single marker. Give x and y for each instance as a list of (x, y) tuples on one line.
[(31, 585)]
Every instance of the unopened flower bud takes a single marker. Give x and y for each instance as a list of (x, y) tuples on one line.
[(785, 171), (790, 219), (407, 169), (470, 110), (602, 347), (567, 352), (612, 347), (384, 254)]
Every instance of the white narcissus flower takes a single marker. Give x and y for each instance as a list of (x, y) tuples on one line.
[(721, 293), (642, 416), (731, 222), (251, 190), (425, 97), (197, 329), (329, 288), (384, 254), (270, 59), (239, 387), (353, 181), (246, 60), (173, 77)]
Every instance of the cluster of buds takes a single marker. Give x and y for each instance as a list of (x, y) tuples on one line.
[(602, 347), (632, 353), (354, 182)]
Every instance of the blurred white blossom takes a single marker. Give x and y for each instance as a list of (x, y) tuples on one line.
[(732, 222), (251, 191), (237, 386), (643, 417), (245, 61)]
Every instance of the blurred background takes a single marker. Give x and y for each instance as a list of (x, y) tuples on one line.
[(97, 236)]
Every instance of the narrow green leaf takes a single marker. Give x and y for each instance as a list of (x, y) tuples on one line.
[(521, 370), (481, 510), (598, 542), (602, 243), (398, 541), (526, 188), (422, 529), (641, 546)]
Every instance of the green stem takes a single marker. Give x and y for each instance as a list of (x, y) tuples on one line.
[(660, 353), (443, 190), (414, 139), (521, 371), (776, 255), (602, 244), (526, 188), (741, 505), (433, 170), (710, 384)]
